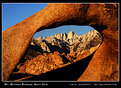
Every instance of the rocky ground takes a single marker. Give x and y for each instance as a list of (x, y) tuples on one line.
[(47, 54)]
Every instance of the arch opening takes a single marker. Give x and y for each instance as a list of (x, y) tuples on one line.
[(57, 47)]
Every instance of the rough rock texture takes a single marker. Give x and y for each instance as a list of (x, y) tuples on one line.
[(43, 44), (41, 64), (70, 35), (64, 36), (36, 63), (72, 43), (104, 64), (86, 41)]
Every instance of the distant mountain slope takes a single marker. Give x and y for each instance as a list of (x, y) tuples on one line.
[(68, 42), (59, 50)]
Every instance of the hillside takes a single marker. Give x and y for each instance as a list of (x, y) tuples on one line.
[(46, 54)]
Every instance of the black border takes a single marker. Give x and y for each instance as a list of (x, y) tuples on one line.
[(67, 84)]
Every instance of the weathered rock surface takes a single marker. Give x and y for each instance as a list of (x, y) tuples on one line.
[(70, 35), (42, 44), (86, 41), (72, 43), (41, 64), (37, 63), (44, 61), (103, 66)]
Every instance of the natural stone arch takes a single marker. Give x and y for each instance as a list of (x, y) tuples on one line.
[(103, 17)]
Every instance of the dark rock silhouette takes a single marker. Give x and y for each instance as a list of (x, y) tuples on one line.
[(103, 65)]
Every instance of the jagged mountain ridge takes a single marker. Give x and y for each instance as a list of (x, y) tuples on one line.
[(61, 36), (70, 42), (47, 54)]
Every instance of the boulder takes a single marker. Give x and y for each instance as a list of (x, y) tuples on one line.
[(41, 64)]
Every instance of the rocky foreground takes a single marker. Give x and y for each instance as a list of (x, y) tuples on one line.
[(46, 54)]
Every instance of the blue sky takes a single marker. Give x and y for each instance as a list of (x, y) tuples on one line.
[(13, 13)]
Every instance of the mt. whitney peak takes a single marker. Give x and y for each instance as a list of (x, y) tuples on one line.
[(70, 42), (46, 54)]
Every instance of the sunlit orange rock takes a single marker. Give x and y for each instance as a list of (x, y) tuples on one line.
[(41, 64), (103, 17)]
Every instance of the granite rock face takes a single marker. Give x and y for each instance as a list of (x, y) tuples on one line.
[(41, 64), (36, 63), (72, 43), (70, 35), (104, 64), (49, 59)]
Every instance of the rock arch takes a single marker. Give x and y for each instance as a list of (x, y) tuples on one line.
[(103, 17)]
